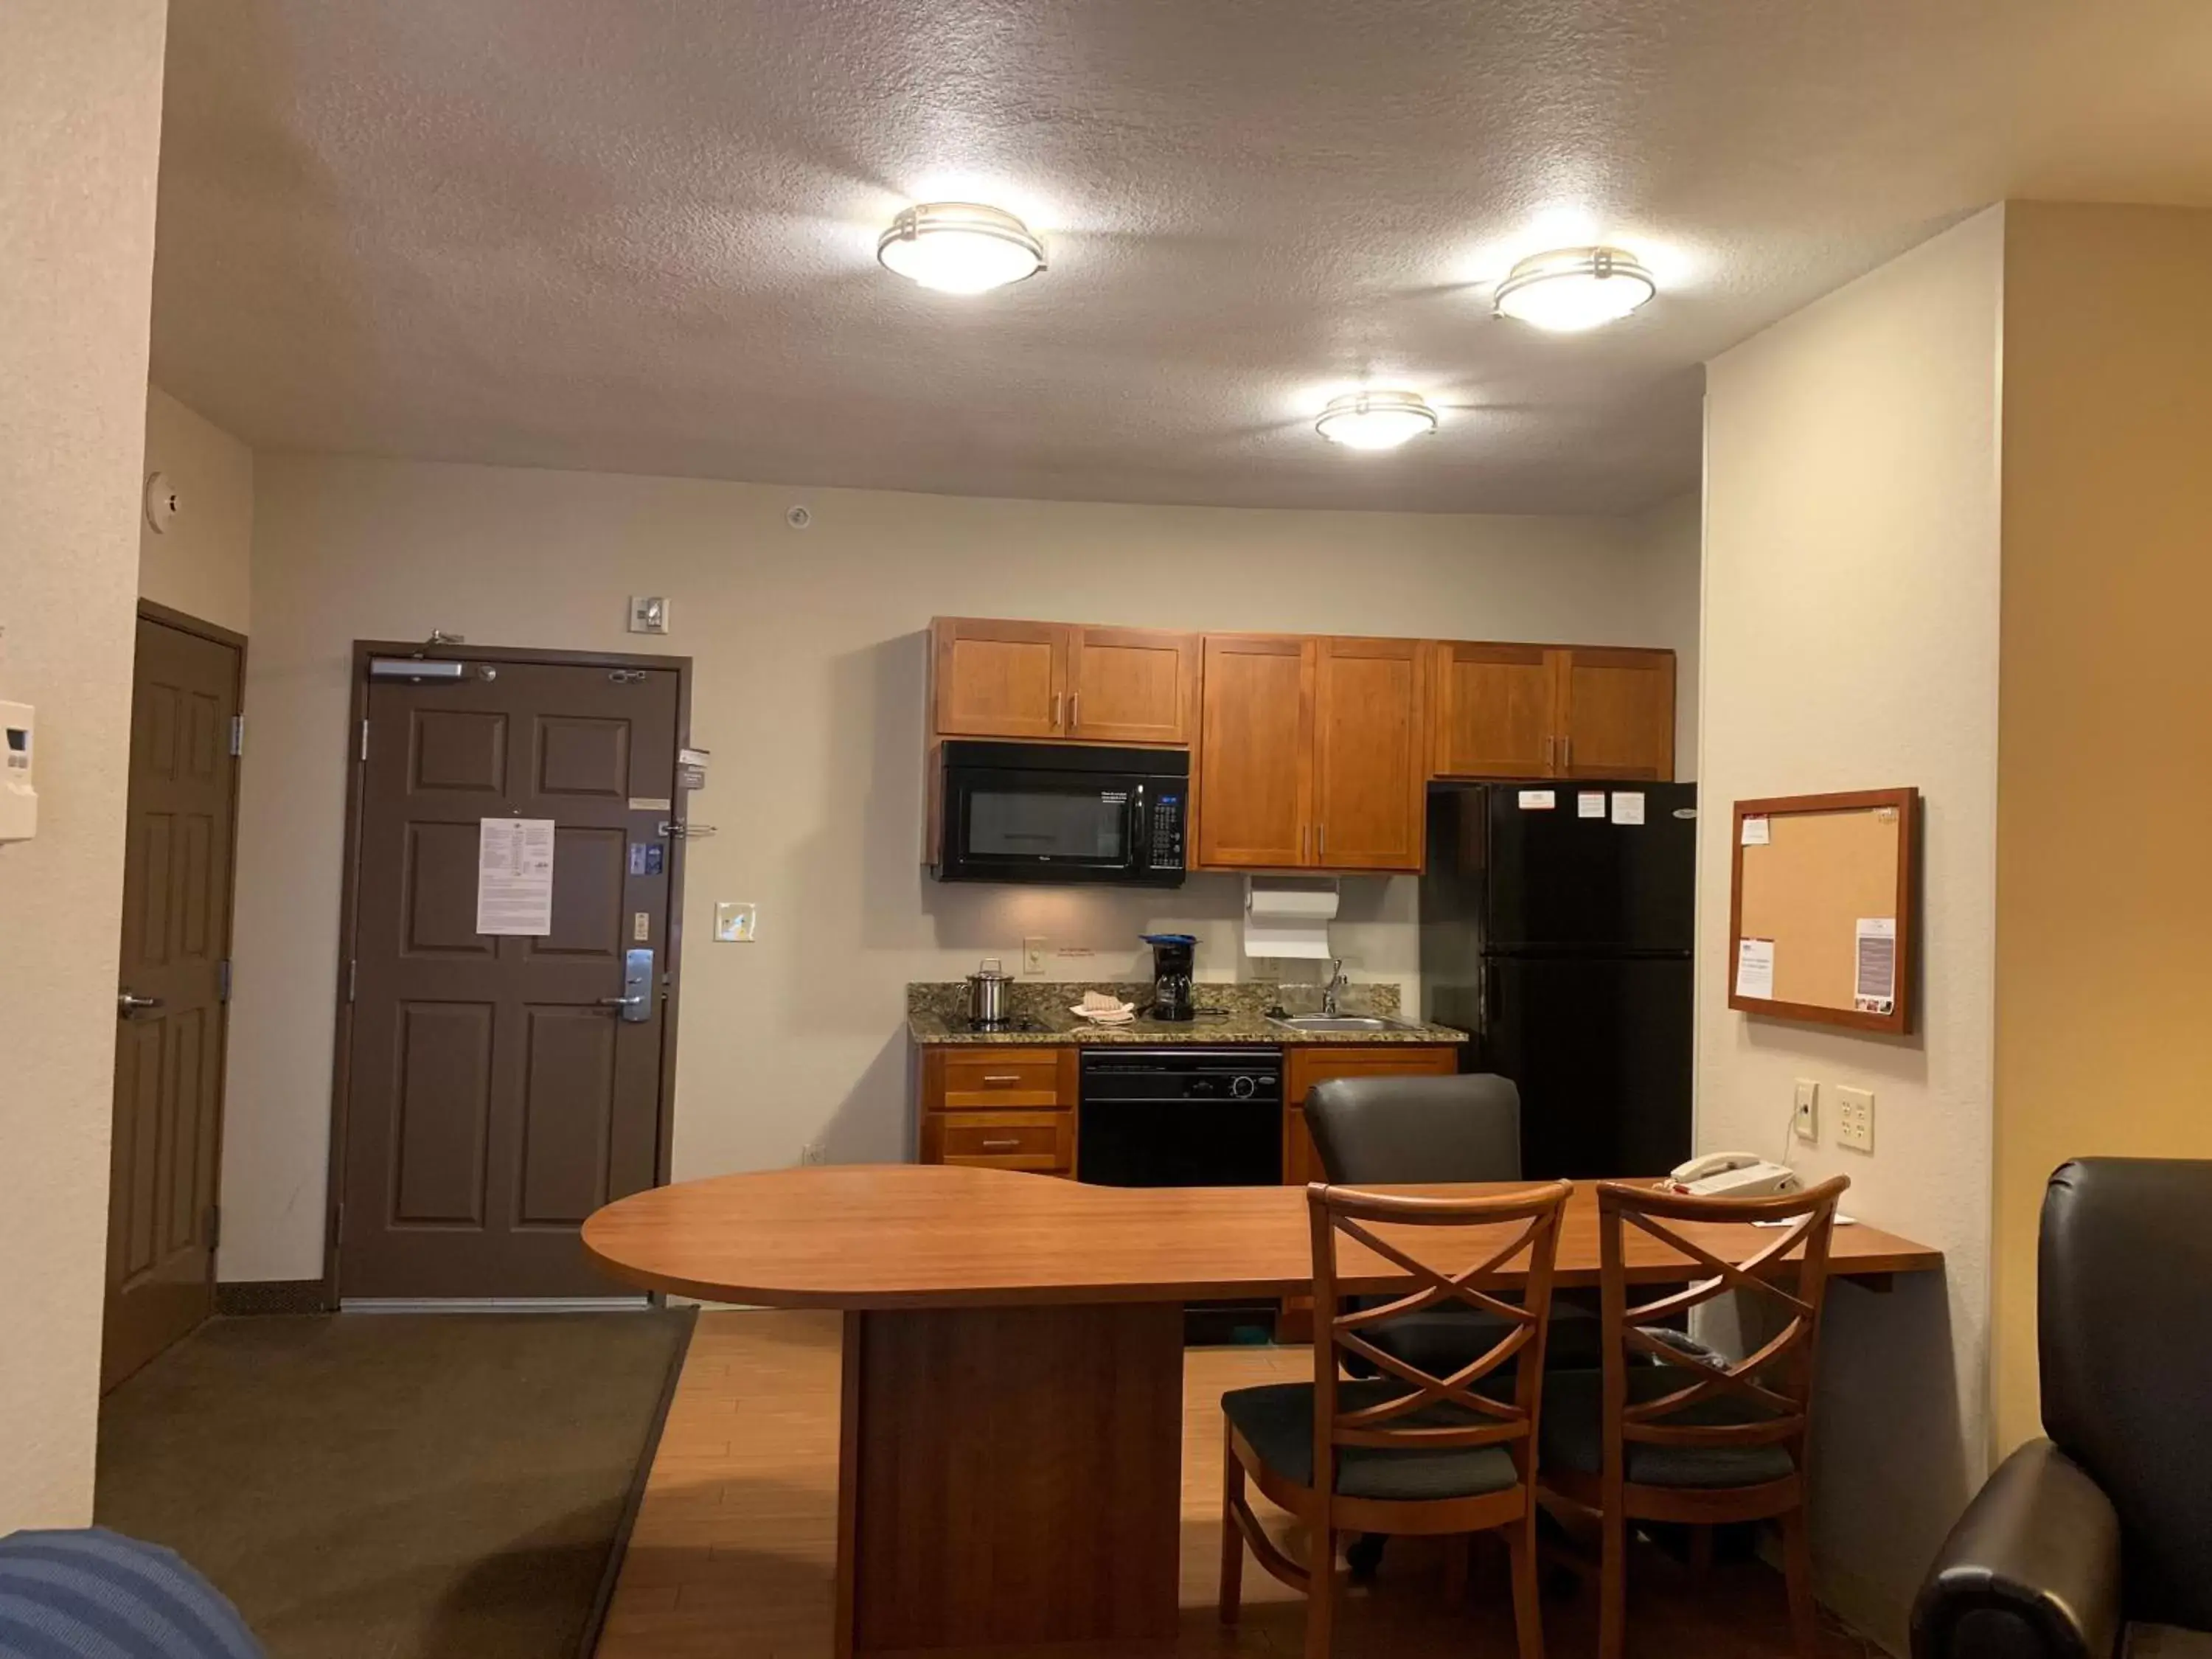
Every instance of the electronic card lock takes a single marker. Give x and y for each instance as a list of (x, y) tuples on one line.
[(635, 1003), (19, 795)]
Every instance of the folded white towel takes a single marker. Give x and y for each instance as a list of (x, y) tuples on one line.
[(1102, 1009)]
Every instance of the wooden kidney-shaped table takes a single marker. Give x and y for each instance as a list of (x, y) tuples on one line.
[(1009, 1464)]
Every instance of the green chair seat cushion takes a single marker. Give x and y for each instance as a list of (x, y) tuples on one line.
[(1573, 1433), (1277, 1421)]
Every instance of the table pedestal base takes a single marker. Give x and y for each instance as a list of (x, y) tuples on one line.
[(1009, 1476)]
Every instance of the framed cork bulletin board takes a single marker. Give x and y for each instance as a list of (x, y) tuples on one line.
[(1821, 913)]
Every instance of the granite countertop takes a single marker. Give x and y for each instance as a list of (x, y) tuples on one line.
[(937, 1014)]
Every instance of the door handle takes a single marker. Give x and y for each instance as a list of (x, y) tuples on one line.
[(636, 1000), (126, 1005)]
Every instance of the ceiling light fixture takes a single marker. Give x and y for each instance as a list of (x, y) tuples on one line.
[(960, 247), (1376, 420), (1574, 289)]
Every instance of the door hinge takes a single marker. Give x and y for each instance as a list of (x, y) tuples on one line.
[(222, 980), (237, 736), (364, 738), (353, 977), (213, 1226)]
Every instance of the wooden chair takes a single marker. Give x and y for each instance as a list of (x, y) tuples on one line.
[(1662, 1433), (1407, 1451)]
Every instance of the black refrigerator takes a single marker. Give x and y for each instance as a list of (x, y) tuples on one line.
[(1557, 922)]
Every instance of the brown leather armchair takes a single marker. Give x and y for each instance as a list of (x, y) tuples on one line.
[(2104, 1527)]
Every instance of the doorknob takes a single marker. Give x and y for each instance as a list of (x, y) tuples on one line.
[(126, 1005), (636, 1000)]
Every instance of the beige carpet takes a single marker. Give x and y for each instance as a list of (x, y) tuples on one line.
[(396, 1486)]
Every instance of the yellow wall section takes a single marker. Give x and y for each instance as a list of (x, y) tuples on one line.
[(2104, 888)]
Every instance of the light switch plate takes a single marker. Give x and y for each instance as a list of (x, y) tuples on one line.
[(1855, 1119), (1805, 1121), (648, 613), (735, 921), (1033, 956)]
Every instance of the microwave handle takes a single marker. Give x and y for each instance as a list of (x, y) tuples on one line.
[(1141, 832)]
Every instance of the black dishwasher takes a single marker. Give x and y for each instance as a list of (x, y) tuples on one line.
[(1181, 1115)]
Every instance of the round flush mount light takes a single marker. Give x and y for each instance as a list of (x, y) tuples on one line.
[(1376, 420), (960, 247), (1574, 289)]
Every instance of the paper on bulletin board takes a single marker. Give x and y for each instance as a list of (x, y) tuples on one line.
[(1628, 806), (1538, 800), (1589, 803), (514, 876), (1755, 831), (1754, 968), (1874, 987)]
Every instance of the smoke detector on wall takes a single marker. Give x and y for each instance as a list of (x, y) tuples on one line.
[(162, 503)]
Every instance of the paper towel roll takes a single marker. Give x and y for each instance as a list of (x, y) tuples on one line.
[(1288, 918)]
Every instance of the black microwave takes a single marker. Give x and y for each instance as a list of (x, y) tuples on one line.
[(1063, 813)]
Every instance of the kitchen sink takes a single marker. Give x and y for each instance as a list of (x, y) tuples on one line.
[(1338, 1023)]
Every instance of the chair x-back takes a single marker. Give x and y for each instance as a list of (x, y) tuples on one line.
[(1405, 1451)]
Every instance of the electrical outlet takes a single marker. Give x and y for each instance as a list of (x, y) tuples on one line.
[(1805, 1121), (1855, 1119), (736, 922), (1033, 956), (814, 1152)]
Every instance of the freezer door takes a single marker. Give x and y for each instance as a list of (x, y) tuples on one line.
[(1556, 880), (1599, 1048)]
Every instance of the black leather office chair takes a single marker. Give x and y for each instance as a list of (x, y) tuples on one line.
[(2103, 1530)]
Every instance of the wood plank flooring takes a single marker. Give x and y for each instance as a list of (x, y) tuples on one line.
[(735, 1544)]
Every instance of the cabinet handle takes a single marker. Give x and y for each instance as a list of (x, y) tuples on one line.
[(1321, 843), (1055, 711), (1002, 1077), (1567, 756), (1302, 832), (1006, 1145), (1074, 703)]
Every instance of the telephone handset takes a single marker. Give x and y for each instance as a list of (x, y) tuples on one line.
[(1733, 1175)]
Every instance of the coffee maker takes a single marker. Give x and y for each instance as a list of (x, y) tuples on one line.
[(1171, 993)]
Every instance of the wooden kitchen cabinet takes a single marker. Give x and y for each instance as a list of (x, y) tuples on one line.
[(1311, 754), (1617, 713), (1255, 792), (999, 1106), (1529, 711), (1370, 772), (1063, 680)]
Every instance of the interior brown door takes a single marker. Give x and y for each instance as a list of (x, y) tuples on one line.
[(498, 1093), (162, 1161)]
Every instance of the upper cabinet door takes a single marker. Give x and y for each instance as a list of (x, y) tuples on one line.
[(1001, 679), (1135, 686), (1496, 714), (1370, 773), (1255, 773), (1616, 714)]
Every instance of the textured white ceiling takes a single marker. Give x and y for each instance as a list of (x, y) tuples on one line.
[(638, 236)]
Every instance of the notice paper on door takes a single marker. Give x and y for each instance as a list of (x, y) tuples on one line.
[(1876, 990), (514, 876), (1754, 968), (1628, 806)]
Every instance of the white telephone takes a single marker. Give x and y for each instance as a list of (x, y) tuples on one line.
[(1733, 1175)]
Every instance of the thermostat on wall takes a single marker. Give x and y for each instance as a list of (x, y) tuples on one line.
[(19, 797)]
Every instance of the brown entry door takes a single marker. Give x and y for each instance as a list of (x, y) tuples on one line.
[(497, 1093), (169, 1003)]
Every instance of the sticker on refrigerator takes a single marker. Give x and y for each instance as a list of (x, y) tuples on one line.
[(1589, 803), (1875, 988), (1538, 800), (1628, 806), (514, 877), (1755, 831), (1754, 968)]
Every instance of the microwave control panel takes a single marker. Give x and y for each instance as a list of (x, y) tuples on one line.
[(1167, 832)]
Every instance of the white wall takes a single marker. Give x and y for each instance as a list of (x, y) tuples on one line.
[(1850, 642), (809, 690), (80, 131), (1672, 539), (201, 564)]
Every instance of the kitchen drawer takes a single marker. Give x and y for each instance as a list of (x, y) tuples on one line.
[(1042, 1141), (1004, 1078)]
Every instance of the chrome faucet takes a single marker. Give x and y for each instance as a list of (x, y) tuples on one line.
[(1337, 982)]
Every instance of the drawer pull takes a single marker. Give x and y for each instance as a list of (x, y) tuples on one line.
[(1003, 1077), (1007, 1145)]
